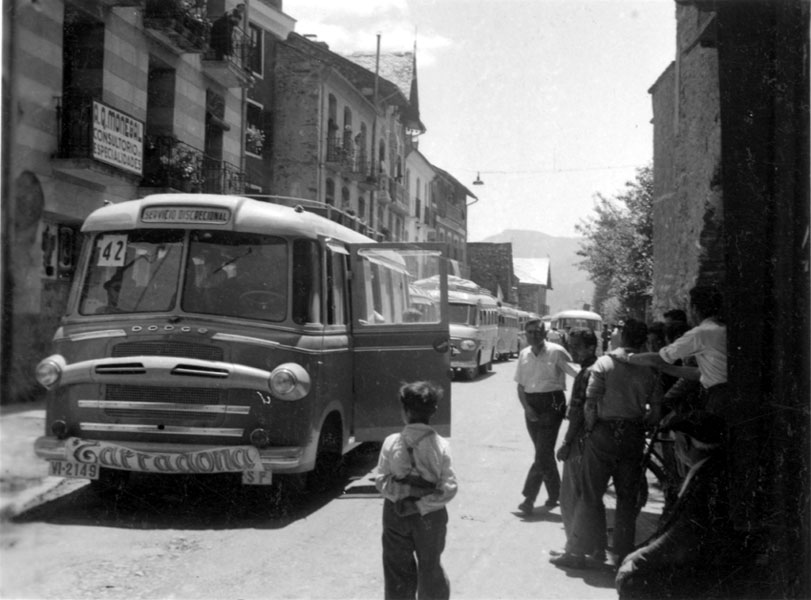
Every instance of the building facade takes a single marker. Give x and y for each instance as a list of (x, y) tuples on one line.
[(451, 200), (108, 100), (419, 178)]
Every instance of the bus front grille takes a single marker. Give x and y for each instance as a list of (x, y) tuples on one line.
[(179, 349), (181, 396)]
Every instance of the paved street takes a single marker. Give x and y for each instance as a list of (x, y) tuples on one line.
[(191, 539)]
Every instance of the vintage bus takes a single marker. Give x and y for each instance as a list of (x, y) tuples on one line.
[(473, 315), (508, 342), (221, 334), (573, 319)]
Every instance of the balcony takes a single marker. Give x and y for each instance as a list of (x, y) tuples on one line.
[(221, 177), (229, 63), (397, 193), (350, 160), (107, 151), (181, 25), (173, 165), (383, 187)]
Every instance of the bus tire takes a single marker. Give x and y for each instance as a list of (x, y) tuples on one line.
[(110, 484), (470, 373), (329, 457)]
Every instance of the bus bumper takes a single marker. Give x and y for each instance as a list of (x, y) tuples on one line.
[(169, 458)]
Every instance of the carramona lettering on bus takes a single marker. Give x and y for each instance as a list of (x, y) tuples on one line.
[(218, 460)]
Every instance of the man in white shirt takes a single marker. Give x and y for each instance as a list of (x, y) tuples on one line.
[(707, 342), (541, 378)]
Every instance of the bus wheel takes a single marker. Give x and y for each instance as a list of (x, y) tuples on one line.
[(470, 373), (110, 484), (329, 458), (483, 368)]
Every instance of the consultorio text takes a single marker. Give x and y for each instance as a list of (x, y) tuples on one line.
[(117, 138)]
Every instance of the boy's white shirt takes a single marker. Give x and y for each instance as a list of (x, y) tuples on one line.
[(433, 460)]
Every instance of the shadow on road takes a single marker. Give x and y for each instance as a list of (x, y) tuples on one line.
[(196, 502)]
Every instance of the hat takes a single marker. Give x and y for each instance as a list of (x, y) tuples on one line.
[(699, 425)]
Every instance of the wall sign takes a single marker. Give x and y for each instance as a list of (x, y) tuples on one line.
[(118, 139)]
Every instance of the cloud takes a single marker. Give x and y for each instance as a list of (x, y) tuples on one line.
[(360, 35)]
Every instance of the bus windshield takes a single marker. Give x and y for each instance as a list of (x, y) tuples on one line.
[(132, 271), (236, 275), (226, 273)]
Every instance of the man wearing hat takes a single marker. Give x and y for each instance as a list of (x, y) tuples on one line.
[(693, 545)]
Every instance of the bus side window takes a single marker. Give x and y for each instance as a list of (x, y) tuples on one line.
[(306, 282), (336, 288)]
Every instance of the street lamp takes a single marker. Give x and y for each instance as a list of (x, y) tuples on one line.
[(478, 180)]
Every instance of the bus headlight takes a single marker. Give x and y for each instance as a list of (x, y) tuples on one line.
[(289, 381), (468, 345), (49, 371)]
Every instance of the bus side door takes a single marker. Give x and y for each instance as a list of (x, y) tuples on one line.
[(396, 340)]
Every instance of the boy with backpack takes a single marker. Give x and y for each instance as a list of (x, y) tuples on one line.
[(416, 480)]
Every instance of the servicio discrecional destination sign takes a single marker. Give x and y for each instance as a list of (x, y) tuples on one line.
[(185, 214)]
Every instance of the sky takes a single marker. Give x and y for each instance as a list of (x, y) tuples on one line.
[(546, 101)]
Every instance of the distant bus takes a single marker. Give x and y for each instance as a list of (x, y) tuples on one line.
[(473, 316), (575, 319), (213, 334), (508, 343)]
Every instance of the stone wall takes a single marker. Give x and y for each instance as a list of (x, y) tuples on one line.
[(491, 266), (296, 124), (688, 216)]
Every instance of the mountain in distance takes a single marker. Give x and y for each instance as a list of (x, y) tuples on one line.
[(571, 287)]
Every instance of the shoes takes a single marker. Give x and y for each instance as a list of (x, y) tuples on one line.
[(550, 503), (569, 561), (526, 507)]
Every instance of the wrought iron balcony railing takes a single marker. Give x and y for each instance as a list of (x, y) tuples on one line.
[(338, 151), (221, 177), (173, 164), (350, 158), (237, 51)]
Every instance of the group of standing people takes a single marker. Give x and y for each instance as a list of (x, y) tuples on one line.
[(616, 400)]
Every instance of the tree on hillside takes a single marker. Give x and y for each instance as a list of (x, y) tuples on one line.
[(617, 247)]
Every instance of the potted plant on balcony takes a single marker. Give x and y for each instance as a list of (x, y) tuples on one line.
[(183, 169), (254, 140), (184, 20)]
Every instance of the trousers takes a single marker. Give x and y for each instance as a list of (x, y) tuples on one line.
[(571, 495), (550, 408), (412, 548), (613, 449)]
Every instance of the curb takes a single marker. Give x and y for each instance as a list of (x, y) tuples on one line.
[(49, 489)]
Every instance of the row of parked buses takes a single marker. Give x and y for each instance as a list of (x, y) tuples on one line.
[(483, 330)]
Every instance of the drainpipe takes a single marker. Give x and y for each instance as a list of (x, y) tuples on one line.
[(9, 123), (243, 159), (373, 207)]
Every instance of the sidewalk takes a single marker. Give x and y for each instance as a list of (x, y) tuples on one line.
[(23, 476)]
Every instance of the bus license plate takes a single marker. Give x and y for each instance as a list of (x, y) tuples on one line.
[(257, 477), (66, 468)]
